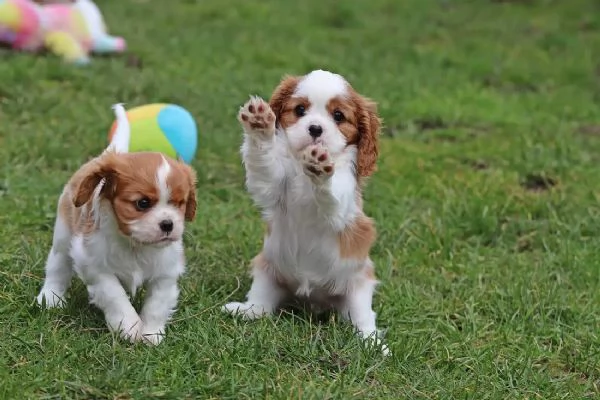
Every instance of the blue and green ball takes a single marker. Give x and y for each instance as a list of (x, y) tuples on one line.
[(166, 128)]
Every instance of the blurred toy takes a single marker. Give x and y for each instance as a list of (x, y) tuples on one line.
[(166, 128), (72, 31)]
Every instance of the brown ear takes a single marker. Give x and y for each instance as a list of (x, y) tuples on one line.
[(103, 168), (369, 125), (190, 205), (282, 92)]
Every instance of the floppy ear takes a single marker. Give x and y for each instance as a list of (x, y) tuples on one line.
[(282, 92), (369, 125), (103, 168), (190, 205)]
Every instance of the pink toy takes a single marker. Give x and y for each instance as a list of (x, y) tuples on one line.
[(72, 31)]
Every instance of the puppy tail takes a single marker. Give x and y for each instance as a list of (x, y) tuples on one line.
[(120, 140)]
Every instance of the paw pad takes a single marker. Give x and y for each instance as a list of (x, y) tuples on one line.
[(256, 116), (317, 162)]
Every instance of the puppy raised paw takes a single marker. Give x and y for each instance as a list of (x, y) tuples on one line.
[(317, 163), (257, 117)]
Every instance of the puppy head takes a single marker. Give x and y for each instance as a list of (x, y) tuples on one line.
[(150, 195), (322, 107)]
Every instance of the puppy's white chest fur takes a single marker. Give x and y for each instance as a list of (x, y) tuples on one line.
[(303, 244), (99, 254), (302, 248)]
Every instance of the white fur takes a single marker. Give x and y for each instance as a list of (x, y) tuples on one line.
[(58, 267), (161, 180), (306, 214), (321, 86), (121, 137)]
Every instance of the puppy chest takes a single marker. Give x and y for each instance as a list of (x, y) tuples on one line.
[(303, 254), (93, 257)]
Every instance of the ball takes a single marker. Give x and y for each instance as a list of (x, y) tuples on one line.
[(166, 128)]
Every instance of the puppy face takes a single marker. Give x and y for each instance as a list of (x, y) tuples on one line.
[(150, 195), (322, 107)]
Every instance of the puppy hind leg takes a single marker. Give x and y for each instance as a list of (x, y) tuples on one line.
[(264, 296), (57, 281), (356, 306), (58, 269)]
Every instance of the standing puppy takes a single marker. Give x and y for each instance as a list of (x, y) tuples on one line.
[(306, 154), (119, 224)]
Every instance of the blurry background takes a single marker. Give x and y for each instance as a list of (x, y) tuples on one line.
[(486, 200)]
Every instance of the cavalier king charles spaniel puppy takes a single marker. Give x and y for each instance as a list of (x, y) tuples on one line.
[(307, 154), (119, 224)]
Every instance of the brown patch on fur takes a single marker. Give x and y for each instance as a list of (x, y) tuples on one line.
[(182, 183), (349, 126), (356, 240), (369, 125), (84, 181), (281, 95), (79, 220), (288, 114), (128, 178)]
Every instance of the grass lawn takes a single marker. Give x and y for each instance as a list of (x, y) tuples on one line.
[(486, 201)]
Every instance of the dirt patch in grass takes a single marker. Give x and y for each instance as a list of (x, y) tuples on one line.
[(538, 182)]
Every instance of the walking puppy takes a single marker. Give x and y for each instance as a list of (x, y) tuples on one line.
[(307, 153), (119, 224)]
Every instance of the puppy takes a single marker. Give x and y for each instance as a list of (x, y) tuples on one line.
[(119, 224), (307, 153)]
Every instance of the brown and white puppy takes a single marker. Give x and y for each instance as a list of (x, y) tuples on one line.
[(306, 153), (119, 224)]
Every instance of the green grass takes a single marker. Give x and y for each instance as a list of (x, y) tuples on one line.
[(486, 201)]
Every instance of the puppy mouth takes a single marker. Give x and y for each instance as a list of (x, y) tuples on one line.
[(310, 142), (158, 242), (166, 239)]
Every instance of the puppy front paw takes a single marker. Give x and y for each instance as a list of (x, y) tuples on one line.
[(376, 339), (50, 299), (153, 335), (129, 329), (246, 310), (257, 117), (317, 163)]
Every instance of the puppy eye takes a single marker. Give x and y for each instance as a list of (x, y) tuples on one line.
[(143, 204), (300, 110), (338, 116)]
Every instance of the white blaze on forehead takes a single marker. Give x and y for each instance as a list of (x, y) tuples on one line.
[(161, 180), (321, 86)]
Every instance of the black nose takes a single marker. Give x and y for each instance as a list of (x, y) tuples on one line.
[(166, 225), (315, 130)]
